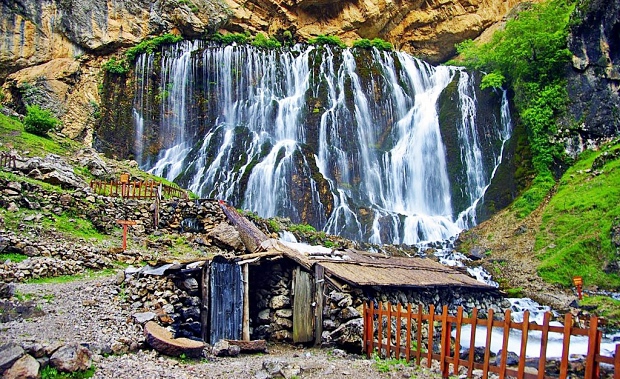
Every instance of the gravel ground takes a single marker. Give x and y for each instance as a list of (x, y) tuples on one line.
[(90, 311)]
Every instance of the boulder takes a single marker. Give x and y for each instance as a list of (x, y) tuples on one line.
[(223, 348), (226, 236), (71, 358), (143, 317), (9, 354), (349, 335), (25, 367), (161, 340), (7, 290)]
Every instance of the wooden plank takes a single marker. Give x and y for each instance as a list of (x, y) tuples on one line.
[(419, 336), (544, 338), (592, 348), (371, 325), (246, 304), (506, 334), (205, 294), (487, 347), (431, 329), (303, 315), (457, 339), (568, 323), (389, 331), (256, 346), (251, 236), (319, 284), (408, 349), (524, 334), (472, 342), (226, 288)]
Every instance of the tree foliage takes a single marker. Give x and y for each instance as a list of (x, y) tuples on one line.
[(530, 56), (39, 121), (377, 43)]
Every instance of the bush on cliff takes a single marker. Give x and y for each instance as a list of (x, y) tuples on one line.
[(39, 121)]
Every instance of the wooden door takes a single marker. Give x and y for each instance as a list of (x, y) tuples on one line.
[(303, 314), (226, 287)]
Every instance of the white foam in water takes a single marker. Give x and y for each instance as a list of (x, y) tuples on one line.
[(578, 344), (286, 236)]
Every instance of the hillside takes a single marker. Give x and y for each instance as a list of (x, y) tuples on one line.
[(573, 233)]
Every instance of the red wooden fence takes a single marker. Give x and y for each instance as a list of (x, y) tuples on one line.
[(136, 189), (391, 330), (8, 160)]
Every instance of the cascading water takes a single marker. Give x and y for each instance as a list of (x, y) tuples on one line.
[(350, 141)]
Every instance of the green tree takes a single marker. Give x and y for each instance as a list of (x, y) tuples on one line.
[(39, 121), (530, 55)]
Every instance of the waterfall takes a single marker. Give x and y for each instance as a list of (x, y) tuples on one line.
[(350, 141)]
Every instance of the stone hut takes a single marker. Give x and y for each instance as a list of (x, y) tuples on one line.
[(311, 294)]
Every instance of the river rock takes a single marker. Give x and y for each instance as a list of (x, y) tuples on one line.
[(71, 358), (24, 368), (143, 317), (224, 349), (280, 301), (7, 290)]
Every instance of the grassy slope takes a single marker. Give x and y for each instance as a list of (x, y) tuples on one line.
[(575, 234)]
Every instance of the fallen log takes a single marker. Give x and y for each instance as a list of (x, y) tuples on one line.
[(250, 235), (161, 340), (249, 347)]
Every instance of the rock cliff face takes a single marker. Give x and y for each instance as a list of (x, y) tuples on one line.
[(594, 81), (51, 50)]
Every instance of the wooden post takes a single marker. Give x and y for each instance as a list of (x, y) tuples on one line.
[(568, 323), (592, 348), (206, 298), (380, 328), (388, 352), (457, 340), (502, 367), (544, 337), (246, 303), (487, 348), (319, 281), (617, 362), (525, 327), (431, 330), (398, 326), (125, 224), (472, 343), (408, 351), (444, 363), (419, 336)]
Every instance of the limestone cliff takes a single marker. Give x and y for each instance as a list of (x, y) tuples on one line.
[(50, 50)]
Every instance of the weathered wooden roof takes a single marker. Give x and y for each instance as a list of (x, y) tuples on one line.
[(370, 269), (354, 267)]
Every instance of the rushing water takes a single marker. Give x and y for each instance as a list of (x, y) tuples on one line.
[(354, 146)]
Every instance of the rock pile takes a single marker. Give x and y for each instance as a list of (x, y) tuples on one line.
[(17, 362)]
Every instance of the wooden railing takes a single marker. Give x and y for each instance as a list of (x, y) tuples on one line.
[(8, 160), (397, 331), (136, 189)]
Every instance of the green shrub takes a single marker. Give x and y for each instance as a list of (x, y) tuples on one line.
[(363, 43), (269, 43), (118, 67), (230, 38), (150, 45), (39, 121), (492, 80), (327, 40)]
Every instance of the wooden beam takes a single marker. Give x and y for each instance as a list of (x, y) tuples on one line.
[(246, 304), (319, 285)]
